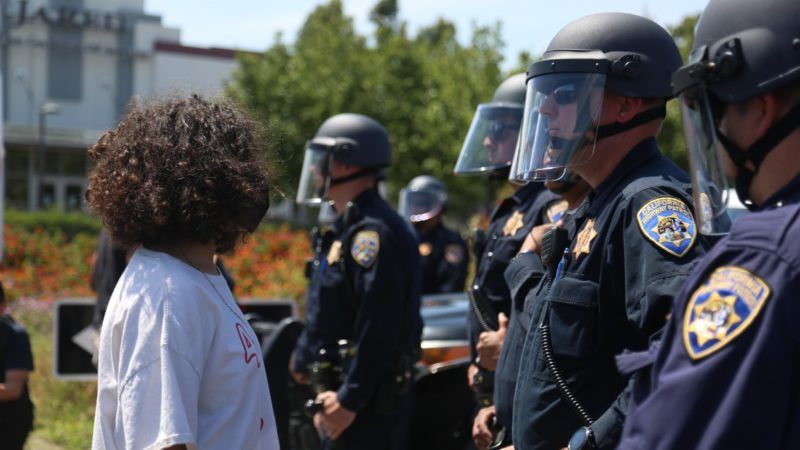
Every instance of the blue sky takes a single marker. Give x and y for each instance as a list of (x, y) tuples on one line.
[(526, 24)]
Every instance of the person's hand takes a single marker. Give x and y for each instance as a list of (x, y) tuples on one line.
[(490, 343), (471, 372), (334, 418), (299, 378), (533, 241), (481, 428)]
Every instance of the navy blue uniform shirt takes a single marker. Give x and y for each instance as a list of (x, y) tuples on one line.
[(524, 273), (366, 288), (510, 223), (15, 351), (633, 247), (728, 372), (444, 261)]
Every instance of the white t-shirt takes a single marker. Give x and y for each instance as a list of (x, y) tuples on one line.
[(179, 364)]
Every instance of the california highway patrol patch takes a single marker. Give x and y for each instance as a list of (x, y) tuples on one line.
[(365, 248), (556, 211), (668, 223), (721, 309)]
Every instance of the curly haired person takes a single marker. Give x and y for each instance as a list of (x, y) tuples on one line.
[(179, 367)]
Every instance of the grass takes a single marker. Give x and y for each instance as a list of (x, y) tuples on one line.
[(64, 409)]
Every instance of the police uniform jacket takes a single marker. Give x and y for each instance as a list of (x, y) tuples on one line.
[(509, 224), (444, 261), (523, 273), (633, 248), (728, 372), (365, 289)]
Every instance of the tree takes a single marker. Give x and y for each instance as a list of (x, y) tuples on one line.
[(671, 138), (424, 89)]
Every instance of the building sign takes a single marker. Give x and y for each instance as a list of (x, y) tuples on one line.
[(71, 17)]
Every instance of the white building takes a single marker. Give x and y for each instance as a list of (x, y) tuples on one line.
[(69, 68)]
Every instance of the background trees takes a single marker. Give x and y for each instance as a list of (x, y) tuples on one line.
[(423, 87)]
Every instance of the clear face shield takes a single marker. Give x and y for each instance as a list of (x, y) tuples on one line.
[(559, 126), (419, 206), (315, 175), (491, 139), (709, 182)]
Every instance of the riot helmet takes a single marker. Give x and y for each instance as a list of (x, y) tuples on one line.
[(423, 199), (492, 136), (741, 49), (623, 53), (347, 138)]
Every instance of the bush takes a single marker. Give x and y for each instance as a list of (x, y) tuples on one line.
[(71, 224), (50, 260), (64, 410)]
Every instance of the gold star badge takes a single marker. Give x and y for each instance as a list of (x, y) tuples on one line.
[(425, 248), (583, 241), (513, 224), (335, 252), (714, 318)]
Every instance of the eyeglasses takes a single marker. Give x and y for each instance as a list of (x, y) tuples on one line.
[(497, 130), (565, 94)]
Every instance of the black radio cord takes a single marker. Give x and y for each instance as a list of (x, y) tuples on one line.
[(555, 372)]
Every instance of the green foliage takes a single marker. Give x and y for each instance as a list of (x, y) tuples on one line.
[(71, 224), (671, 138), (422, 88), (64, 410)]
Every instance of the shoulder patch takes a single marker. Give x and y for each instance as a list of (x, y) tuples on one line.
[(556, 210), (453, 253), (721, 309), (669, 224), (365, 247)]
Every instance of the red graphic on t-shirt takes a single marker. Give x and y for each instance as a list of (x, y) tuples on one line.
[(249, 355)]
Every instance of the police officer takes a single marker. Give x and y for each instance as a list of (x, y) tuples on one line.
[(364, 294), (596, 101), (727, 373), (492, 426), (489, 149), (443, 251)]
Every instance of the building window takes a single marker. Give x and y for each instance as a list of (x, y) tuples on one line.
[(17, 164), (64, 63)]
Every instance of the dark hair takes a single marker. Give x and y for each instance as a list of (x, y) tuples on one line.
[(180, 170), (2, 294)]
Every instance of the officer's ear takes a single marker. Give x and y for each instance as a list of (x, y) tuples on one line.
[(767, 109), (626, 108)]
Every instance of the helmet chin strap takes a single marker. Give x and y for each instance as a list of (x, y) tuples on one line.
[(353, 176), (756, 153), (611, 129), (501, 173)]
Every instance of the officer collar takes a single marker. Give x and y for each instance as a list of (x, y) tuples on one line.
[(526, 192), (519, 197), (786, 194), (366, 197), (638, 156)]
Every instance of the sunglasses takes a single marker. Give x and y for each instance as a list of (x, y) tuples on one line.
[(497, 130), (565, 94)]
